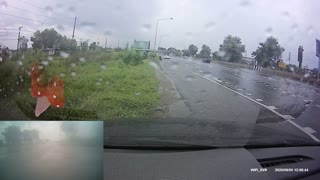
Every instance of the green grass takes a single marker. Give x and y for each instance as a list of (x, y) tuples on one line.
[(101, 87)]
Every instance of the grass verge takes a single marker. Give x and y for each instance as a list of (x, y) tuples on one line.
[(98, 85)]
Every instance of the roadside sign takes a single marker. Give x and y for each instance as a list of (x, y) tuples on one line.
[(282, 65), (318, 48)]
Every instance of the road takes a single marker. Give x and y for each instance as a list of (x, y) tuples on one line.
[(239, 94), (51, 161)]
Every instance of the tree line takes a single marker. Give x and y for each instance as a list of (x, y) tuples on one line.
[(50, 38), (267, 53), (232, 49)]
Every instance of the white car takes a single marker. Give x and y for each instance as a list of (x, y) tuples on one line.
[(166, 57)]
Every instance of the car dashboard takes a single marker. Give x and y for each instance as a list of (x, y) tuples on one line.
[(220, 163)]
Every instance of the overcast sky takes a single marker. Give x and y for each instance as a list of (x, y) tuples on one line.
[(292, 22)]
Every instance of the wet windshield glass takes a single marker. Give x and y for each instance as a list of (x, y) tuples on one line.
[(233, 62)]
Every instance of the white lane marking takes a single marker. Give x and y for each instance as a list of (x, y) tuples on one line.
[(259, 100), (272, 107), (293, 95), (283, 91), (239, 89), (288, 117), (318, 106), (305, 100), (272, 110), (311, 100), (309, 129), (248, 94)]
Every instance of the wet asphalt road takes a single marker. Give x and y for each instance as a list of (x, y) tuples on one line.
[(239, 94)]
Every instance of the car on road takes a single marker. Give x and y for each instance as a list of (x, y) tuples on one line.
[(166, 57), (206, 61)]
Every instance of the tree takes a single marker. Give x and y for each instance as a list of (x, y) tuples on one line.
[(45, 39), (215, 55), (50, 38), (269, 52), (186, 52), (12, 135), (93, 46), (232, 48), (193, 49), (205, 51), (174, 51), (84, 46)]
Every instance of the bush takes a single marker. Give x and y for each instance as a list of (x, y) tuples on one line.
[(132, 57)]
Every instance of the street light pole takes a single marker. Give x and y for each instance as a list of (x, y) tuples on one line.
[(19, 37), (155, 37)]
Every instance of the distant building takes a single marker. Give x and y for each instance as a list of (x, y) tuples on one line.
[(141, 45)]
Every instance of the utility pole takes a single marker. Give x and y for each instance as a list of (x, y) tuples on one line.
[(19, 37), (106, 43), (74, 26), (289, 57)]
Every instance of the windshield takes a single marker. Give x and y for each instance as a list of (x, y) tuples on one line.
[(233, 66)]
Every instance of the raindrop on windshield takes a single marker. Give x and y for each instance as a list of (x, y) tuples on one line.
[(173, 67), (294, 27), (60, 27), (62, 75), (59, 8), (310, 30), (3, 4), (50, 58), (45, 63), (71, 11), (100, 79), (268, 32), (103, 67), (19, 63), (73, 65), (49, 10), (210, 26), (98, 83), (64, 54), (87, 25), (306, 75), (82, 59), (189, 77), (0, 59), (245, 3), (188, 34), (108, 33), (145, 27), (73, 74)]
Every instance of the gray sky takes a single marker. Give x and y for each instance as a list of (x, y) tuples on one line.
[(292, 22)]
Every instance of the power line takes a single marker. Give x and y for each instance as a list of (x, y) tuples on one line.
[(32, 5), (26, 18), (8, 39), (36, 13), (5, 29)]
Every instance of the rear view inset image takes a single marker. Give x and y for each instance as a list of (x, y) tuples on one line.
[(51, 150)]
